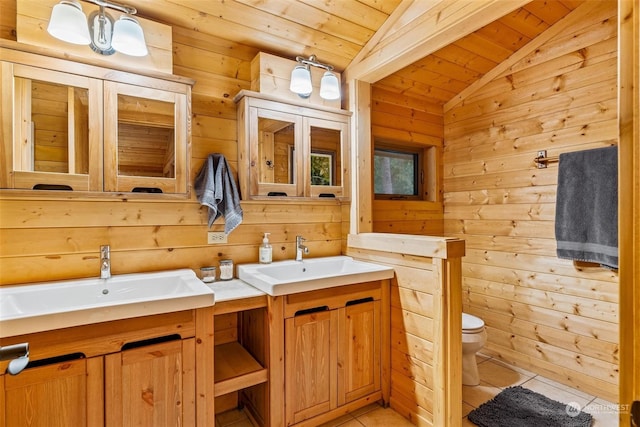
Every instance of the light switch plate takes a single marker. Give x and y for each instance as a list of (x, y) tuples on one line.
[(214, 237)]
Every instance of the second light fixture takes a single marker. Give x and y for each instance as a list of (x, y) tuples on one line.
[(301, 79)]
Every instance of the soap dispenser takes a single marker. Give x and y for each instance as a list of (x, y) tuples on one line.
[(266, 251)]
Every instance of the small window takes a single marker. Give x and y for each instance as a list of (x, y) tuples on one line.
[(400, 172), (396, 173)]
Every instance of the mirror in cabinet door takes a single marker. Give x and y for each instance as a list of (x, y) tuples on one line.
[(277, 158), (145, 139), (55, 133), (325, 157)]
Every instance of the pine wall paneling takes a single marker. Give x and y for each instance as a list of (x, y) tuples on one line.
[(406, 120), (425, 354), (52, 239), (542, 313)]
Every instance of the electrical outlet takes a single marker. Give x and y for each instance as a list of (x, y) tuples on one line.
[(214, 237)]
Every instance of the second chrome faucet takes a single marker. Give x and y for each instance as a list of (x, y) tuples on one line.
[(105, 262), (300, 248)]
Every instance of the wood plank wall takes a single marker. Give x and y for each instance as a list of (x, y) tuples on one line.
[(59, 239), (542, 313), (425, 385), (412, 338), (405, 120)]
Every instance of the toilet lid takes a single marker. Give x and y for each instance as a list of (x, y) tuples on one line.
[(471, 323)]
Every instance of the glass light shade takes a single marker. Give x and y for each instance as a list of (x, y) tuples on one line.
[(68, 23), (128, 37), (329, 86), (301, 81)]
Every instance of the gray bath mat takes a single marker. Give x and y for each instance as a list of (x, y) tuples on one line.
[(518, 406)]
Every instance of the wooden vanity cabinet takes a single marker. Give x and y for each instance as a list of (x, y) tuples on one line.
[(68, 393), (332, 351), (75, 127), (151, 385), (311, 364), (139, 371), (359, 333)]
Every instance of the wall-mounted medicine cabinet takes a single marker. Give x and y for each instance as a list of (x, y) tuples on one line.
[(291, 150), (74, 127)]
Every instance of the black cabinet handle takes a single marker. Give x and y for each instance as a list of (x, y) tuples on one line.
[(359, 301)]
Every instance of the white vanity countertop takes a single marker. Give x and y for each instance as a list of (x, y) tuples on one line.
[(38, 307), (290, 277), (233, 289)]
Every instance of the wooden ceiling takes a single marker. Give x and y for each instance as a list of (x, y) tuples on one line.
[(448, 71), (336, 31)]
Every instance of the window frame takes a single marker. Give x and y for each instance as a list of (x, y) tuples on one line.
[(419, 168), (427, 172)]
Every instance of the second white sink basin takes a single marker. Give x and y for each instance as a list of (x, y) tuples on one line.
[(44, 306), (289, 277)]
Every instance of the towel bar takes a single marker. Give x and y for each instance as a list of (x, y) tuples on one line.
[(542, 160)]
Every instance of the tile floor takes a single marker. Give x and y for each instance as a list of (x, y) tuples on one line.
[(370, 416), (494, 376)]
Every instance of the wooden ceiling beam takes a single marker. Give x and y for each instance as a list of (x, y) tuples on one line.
[(426, 27), (572, 18), (382, 31)]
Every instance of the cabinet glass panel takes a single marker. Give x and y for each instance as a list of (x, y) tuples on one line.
[(325, 156), (146, 137), (276, 151), (54, 124)]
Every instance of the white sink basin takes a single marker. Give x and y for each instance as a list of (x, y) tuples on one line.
[(290, 277), (44, 306)]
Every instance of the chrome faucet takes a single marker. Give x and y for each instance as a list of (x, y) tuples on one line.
[(300, 248), (105, 262)]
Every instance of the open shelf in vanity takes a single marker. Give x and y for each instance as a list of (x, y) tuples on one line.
[(241, 368), (236, 369)]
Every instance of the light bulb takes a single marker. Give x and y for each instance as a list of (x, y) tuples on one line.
[(128, 37), (329, 86), (301, 81), (68, 23)]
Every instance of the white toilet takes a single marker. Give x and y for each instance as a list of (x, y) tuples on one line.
[(474, 338)]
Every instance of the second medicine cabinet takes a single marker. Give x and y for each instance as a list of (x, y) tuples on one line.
[(76, 127), (292, 150)]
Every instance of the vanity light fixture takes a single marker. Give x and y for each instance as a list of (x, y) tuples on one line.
[(69, 23), (301, 79)]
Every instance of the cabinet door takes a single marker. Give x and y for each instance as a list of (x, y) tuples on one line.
[(276, 160), (359, 351), (146, 138), (151, 385), (325, 159), (54, 139), (61, 394), (310, 365)]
